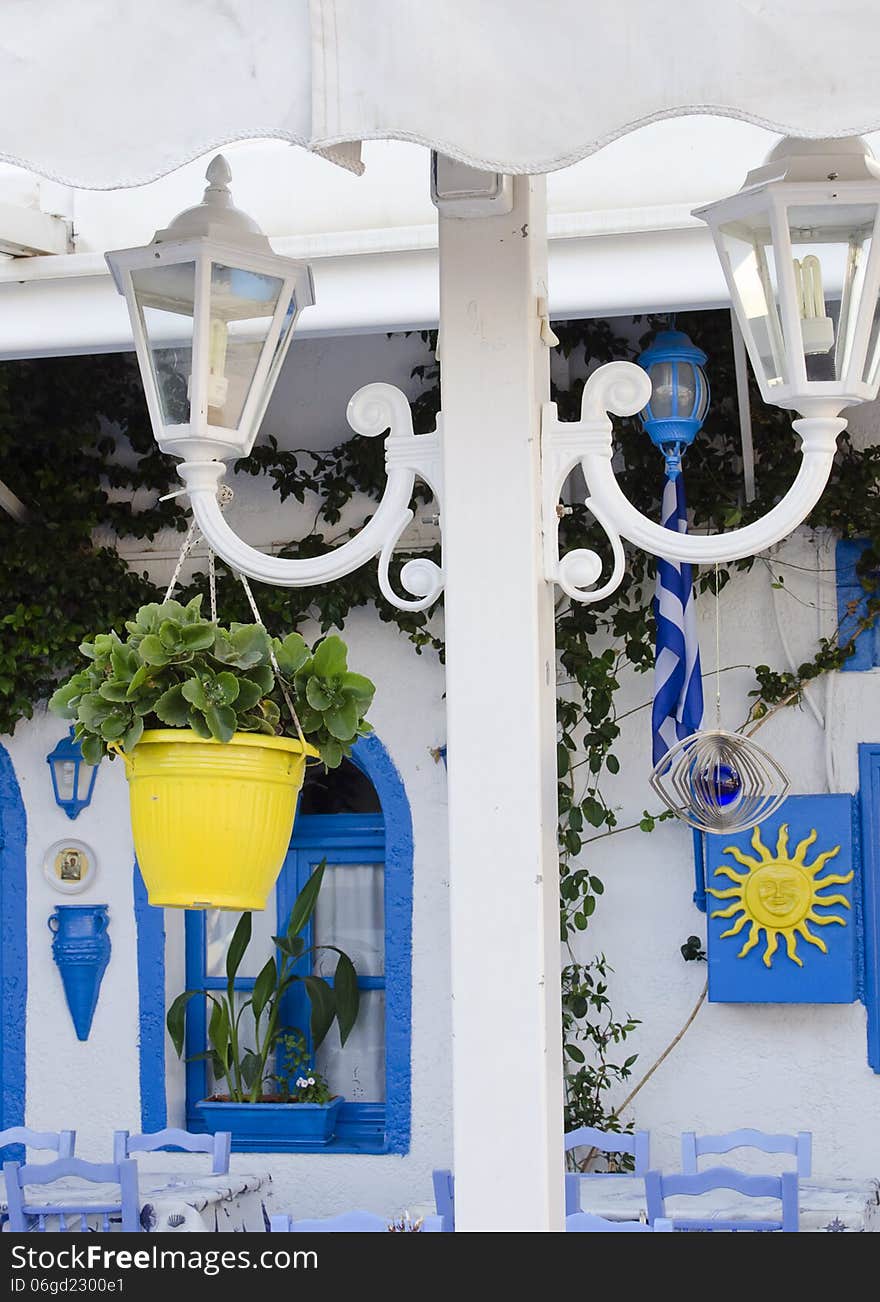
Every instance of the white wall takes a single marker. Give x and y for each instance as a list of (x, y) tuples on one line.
[(774, 1067)]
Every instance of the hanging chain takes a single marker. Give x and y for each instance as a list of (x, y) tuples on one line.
[(192, 537), (717, 649)]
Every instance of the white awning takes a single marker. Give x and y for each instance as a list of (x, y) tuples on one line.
[(108, 93)]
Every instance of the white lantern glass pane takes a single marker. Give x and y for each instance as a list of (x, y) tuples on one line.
[(357, 1069), (242, 305), (685, 388), (350, 913), (748, 250), (662, 391), (219, 926), (703, 401), (831, 250), (86, 773), (65, 776), (165, 296)]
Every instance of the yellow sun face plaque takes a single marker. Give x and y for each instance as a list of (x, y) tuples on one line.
[(778, 894), (780, 901)]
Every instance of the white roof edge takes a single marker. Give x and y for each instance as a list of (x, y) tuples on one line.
[(597, 268)]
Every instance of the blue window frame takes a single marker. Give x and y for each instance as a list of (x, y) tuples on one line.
[(13, 953), (376, 1115), (852, 607)]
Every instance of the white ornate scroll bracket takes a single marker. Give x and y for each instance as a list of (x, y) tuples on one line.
[(372, 410), (618, 387), (624, 389)]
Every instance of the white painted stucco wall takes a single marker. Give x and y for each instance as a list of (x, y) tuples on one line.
[(772, 1067)]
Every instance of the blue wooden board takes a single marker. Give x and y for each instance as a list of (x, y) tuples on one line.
[(779, 890)]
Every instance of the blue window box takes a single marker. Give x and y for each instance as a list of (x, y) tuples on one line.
[(256, 1125)]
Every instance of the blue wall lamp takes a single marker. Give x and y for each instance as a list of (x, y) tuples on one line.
[(679, 396), (73, 780)]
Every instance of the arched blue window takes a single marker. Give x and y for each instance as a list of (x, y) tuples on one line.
[(357, 819)]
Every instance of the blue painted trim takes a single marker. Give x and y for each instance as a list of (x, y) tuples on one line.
[(150, 926), (13, 946), (869, 796), (699, 869), (852, 606)]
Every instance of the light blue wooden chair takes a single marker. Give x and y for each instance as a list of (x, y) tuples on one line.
[(217, 1145), (31, 1217), (784, 1188), (61, 1142), (637, 1145), (344, 1223), (694, 1146), (587, 1223)]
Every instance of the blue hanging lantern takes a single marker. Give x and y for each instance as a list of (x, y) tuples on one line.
[(73, 781), (679, 395)]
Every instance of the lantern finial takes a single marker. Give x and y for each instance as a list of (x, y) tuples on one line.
[(218, 176)]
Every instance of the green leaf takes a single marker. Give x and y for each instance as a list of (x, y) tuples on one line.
[(133, 735), (197, 637), (304, 904), (316, 695), (345, 988), (172, 708), (251, 1066), (226, 685), (359, 686), (292, 946), (218, 1031), (199, 725), (248, 694), (323, 1008), (241, 938), (574, 1053), (175, 1019), (93, 710), (152, 651), (330, 658), (92, 749), (115, 726), (264, 986), (194, 692), (221, 721), (342, 723), (139, 677), (113, 690), (331, 752), (261, 675), (291, 654)]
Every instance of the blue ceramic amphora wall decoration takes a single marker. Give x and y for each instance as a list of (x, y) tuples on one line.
[(81, 948)]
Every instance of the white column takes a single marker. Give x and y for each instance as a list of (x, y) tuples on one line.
[(501, 675)]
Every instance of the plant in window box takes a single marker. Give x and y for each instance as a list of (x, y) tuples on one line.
[(205, 718), (247, 1037)]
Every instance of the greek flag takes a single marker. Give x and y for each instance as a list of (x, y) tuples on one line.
[(678, 687)]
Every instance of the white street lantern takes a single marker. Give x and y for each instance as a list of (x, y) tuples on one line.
[(213, 311), (799, 250)]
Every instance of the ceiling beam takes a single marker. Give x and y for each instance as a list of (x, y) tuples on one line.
[(28, 233)]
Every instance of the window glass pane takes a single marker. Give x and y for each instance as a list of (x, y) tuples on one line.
[(165, 298), (242, 306), (219, 926), (358, 1069), (350, 913)]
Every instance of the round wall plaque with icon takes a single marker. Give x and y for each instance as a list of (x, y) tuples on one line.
[(70, 866)]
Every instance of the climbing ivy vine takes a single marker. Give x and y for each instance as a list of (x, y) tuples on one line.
[(76, 447)]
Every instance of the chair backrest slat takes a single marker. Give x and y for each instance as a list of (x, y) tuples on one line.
[(123, 1174), (637, 1145), (61, 1142), (694, 1146), (784, 1188), (218, 1146)]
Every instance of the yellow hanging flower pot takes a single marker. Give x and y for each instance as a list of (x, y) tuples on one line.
[(212, 820)]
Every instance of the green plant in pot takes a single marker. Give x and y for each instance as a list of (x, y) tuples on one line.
[(263, 1061), (205, 718)]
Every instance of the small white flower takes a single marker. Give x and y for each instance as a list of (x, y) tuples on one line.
[(311, 1080), (300, 1082)]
